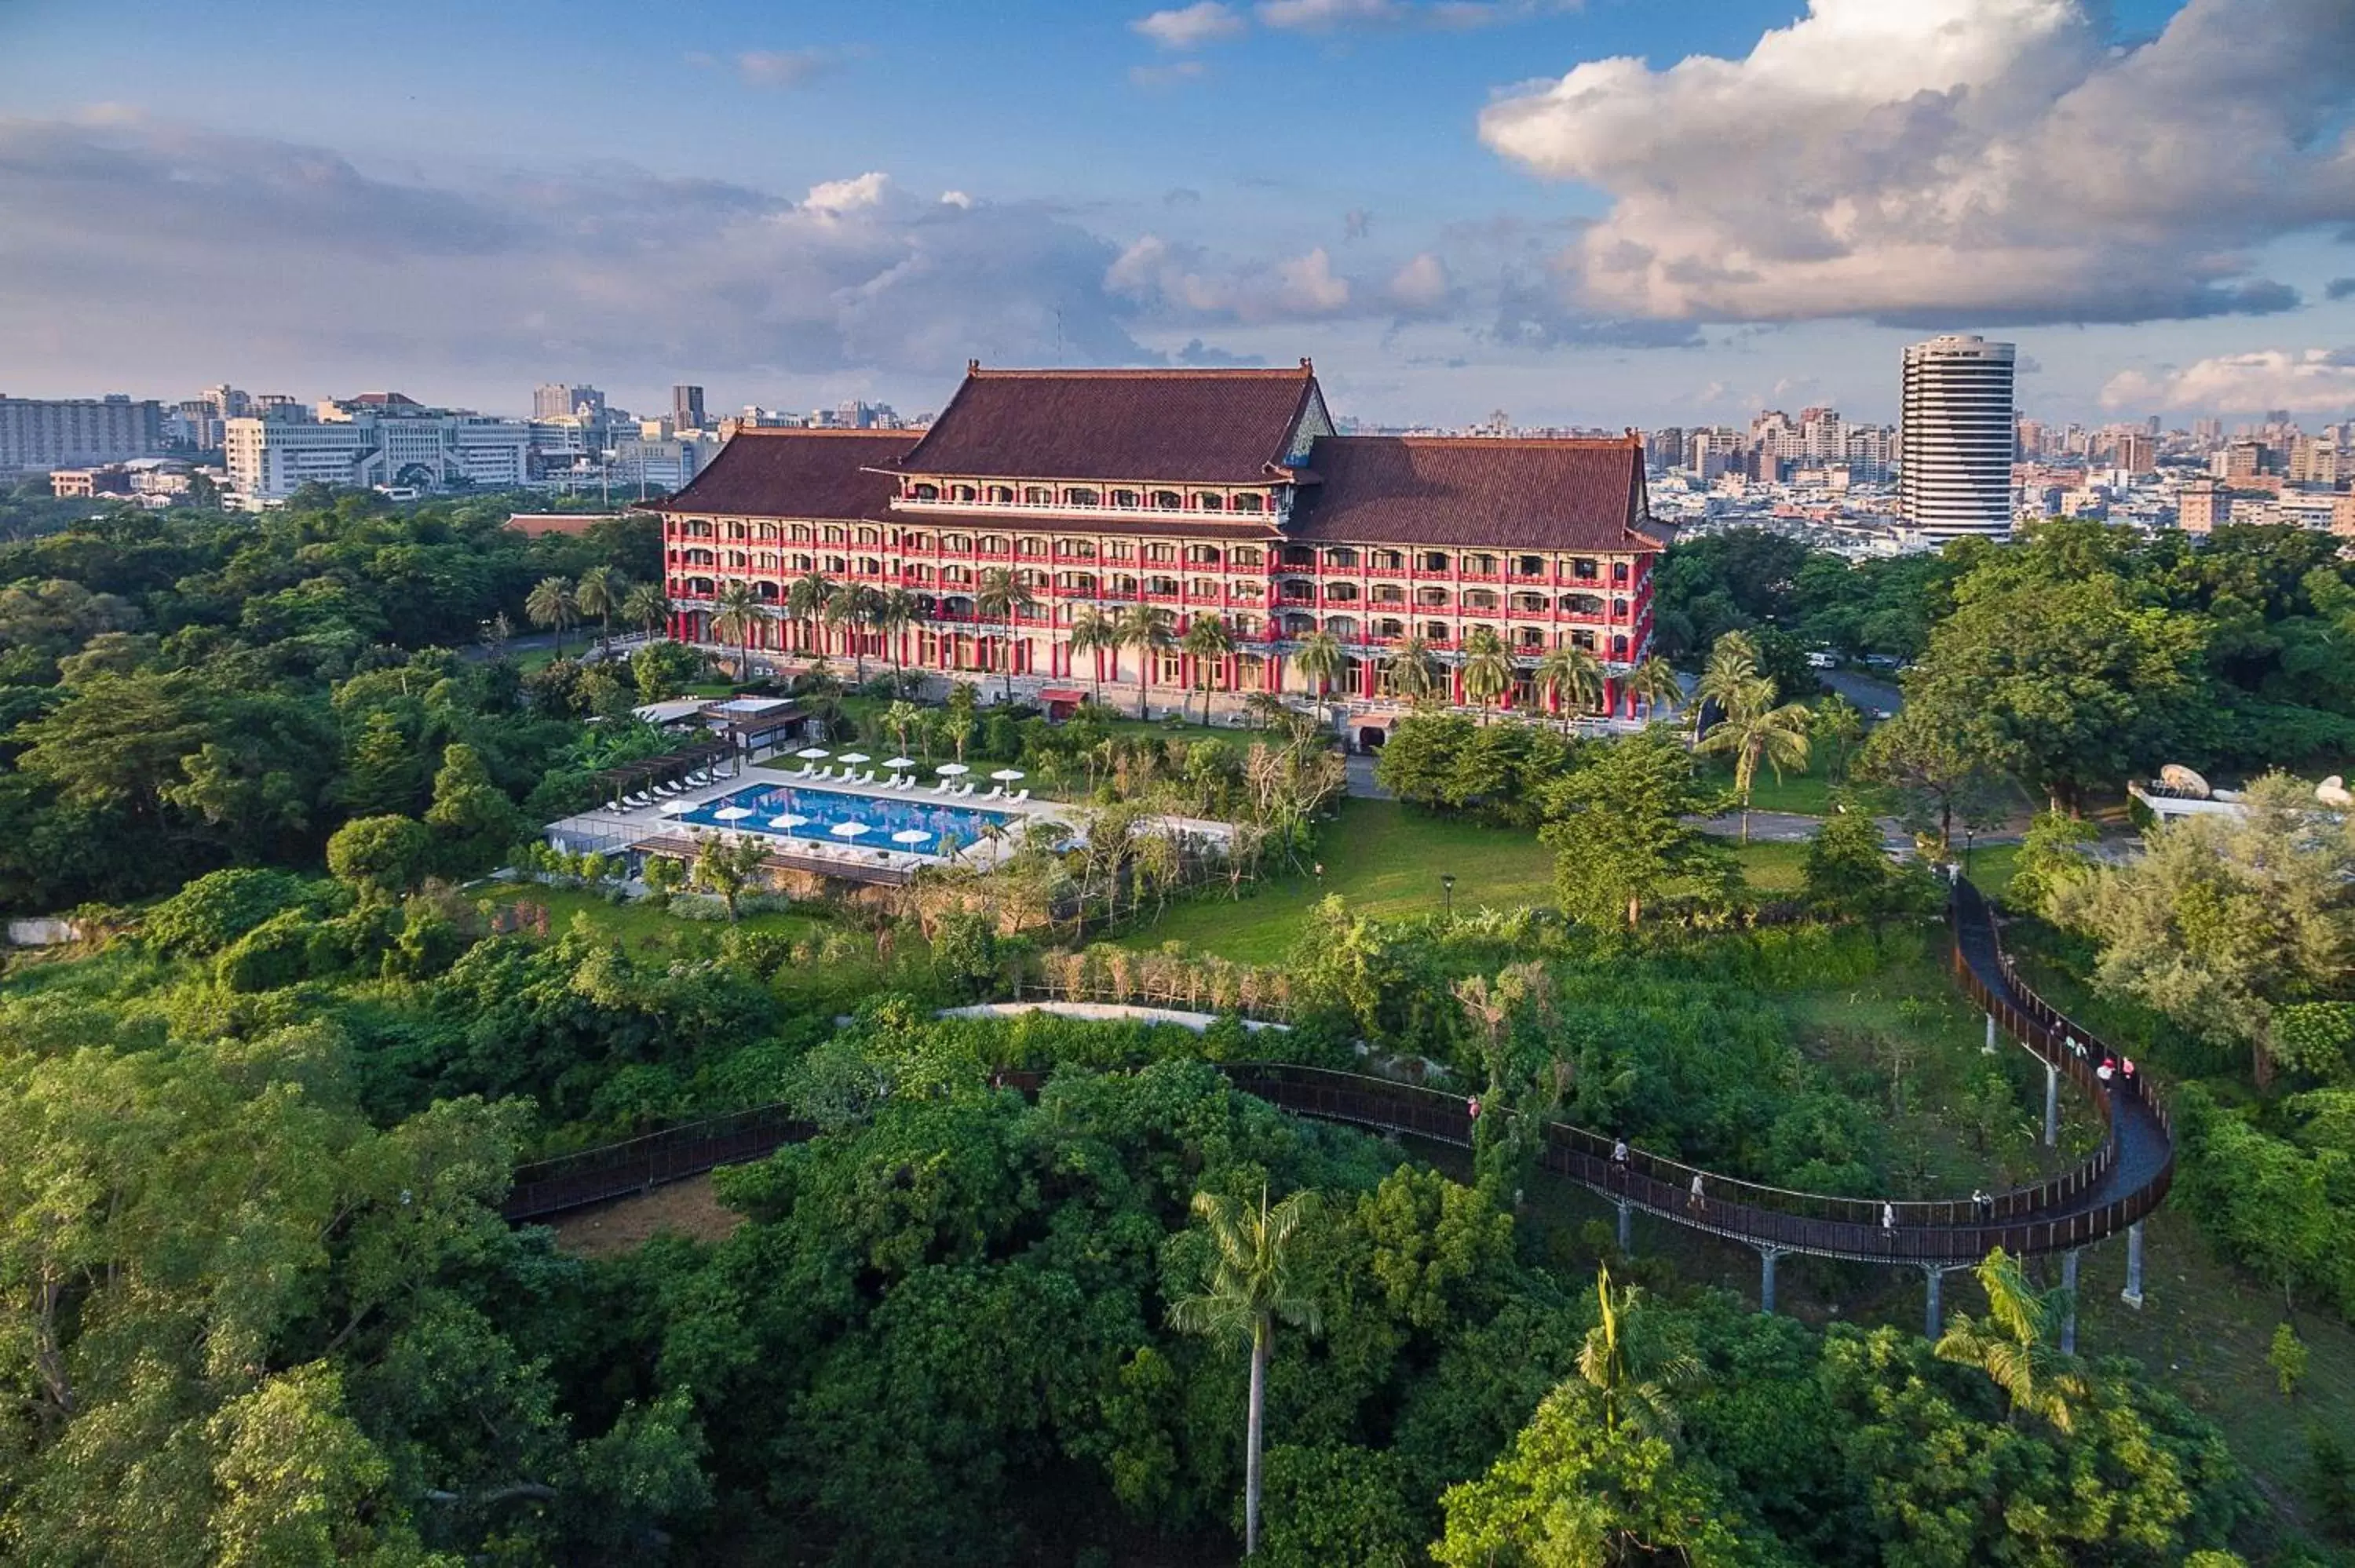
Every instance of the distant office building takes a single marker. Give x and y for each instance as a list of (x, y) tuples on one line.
[(69, 484), (1665, 448), (687, 408), (2203, 506), (38, 434), (1955, 461), (2207, 432), (2241, 459), (2137, 452), (379, 440), (564, 400)]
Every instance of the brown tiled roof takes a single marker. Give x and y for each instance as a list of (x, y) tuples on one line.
[(796, 473), (1509, 495), (1205, 427)]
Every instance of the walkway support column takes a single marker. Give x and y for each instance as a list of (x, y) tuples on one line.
[(1933, 1316), (2052, 1103), (1766, 1259), (2069, 1284), (1627, 1230), (2132, 1294), (1988, 1049)]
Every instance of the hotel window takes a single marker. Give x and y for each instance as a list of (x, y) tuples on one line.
[(1082, 498), (1169, 501), (1029, 578), (1618, 609), (835, 565), (1618, 571), (1343, 557), (768, 531), (1582, 569), (1125, 498), (1037, 495), (1583, 639), (1532, 565), (1119, 552), (800, 532), (1034, 546), (1298, 555), (1433, 561), (1244, 556), (869, 567), (1201, 554), (1483, 564), (869, 536), (1123, 585), (1205, 587), (1434, 631), (1161, 585), (1390, 629), (928, 493), (1530, 637), (836, 536), (802, 563), (993, 544), (1160, 553), (961, 493), (959, 542), (1001, 495), (1210, 500), (1341, 593), (1582, 604), (1480, 598), (1389, 593), (1619, 648), (918, 541), (1246, 625), (1251, 501), (1078, 549)]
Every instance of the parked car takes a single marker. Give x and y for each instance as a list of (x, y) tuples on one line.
[(1819, 660)]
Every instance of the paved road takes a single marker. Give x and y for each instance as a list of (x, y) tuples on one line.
[(1362, 778), (1867, 692)]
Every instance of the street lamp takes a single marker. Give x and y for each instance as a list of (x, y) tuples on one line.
[(1447, 886), (1969, 834)]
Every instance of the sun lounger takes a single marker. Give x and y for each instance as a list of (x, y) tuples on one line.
[(995, 791), (966, 793), (867, 777), (941, 788), (1017, 799)]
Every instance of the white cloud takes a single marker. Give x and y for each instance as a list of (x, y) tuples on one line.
[(1327, 15), (955, 198), (1191, 26), (780, 68), (1421, 285), (2303, 381), (839, 196), (1953, 160), (1176, 281)]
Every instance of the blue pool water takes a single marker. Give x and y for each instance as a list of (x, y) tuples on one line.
[(825, 807)]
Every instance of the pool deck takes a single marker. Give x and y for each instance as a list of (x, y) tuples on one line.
[(650, 826)]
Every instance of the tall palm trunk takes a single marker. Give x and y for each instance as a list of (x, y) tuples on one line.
[(1143, 680), (1261, 1335)]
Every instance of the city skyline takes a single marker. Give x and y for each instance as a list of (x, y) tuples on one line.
[(1451, 209)]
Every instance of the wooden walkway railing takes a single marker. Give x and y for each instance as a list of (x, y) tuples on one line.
[(2120, 1182)]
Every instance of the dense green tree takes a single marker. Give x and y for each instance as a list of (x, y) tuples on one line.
[(472, 817), (1617, 827), (380, 855)]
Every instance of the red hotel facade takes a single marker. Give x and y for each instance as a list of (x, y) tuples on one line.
[(1221, 493)]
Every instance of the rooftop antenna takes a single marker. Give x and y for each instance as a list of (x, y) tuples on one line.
[(1059, 337)]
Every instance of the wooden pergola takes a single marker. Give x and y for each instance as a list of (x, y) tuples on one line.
[(647, 772)]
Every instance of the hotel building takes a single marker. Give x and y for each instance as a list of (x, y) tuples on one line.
[(1221, 493)]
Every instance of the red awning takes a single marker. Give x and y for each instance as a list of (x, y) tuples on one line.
[(1062, 695)]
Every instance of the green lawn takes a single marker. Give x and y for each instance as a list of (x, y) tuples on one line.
[(1806, 794), (1386, 858)]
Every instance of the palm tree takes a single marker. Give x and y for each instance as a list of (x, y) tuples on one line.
[(599, 593), (1319, 658), (646, 606), (1643, 1403), (1267, 708), (848, 611), (1752, 733), (1091, 632), (892, 612), (1571, 676), (1654, 681), (1000, 597), (1207, 639), (1248, 1289), (548, 606), (738, 613), (1840, 726), (1487, 667), (1732, 663), (2014, 1344), (1411, 674), (1146, 628), (807, 599)]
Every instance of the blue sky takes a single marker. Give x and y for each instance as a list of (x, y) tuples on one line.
[(1454, 205)]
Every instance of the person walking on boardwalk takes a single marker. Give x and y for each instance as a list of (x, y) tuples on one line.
[(1694, 1200), (1619, 1161)]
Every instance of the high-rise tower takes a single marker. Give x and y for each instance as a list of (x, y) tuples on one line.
[(1955, 440)]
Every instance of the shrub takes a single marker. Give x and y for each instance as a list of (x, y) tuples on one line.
[(215, 910)]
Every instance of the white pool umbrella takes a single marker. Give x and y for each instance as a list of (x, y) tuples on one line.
[(732, 813), (1007, 774), (898, 762), (850, 829), (856, 757), (909, 836), (952, 769), (789, 822), (812, 753), (677, 807)]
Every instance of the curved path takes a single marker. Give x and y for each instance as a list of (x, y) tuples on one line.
[(2112, 1190)]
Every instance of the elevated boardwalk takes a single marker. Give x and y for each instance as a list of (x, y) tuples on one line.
[(2106, 1195)]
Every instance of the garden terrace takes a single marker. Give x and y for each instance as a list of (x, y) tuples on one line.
[(617, 783)]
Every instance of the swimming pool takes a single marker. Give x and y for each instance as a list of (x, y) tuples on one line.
[(883, 815)]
